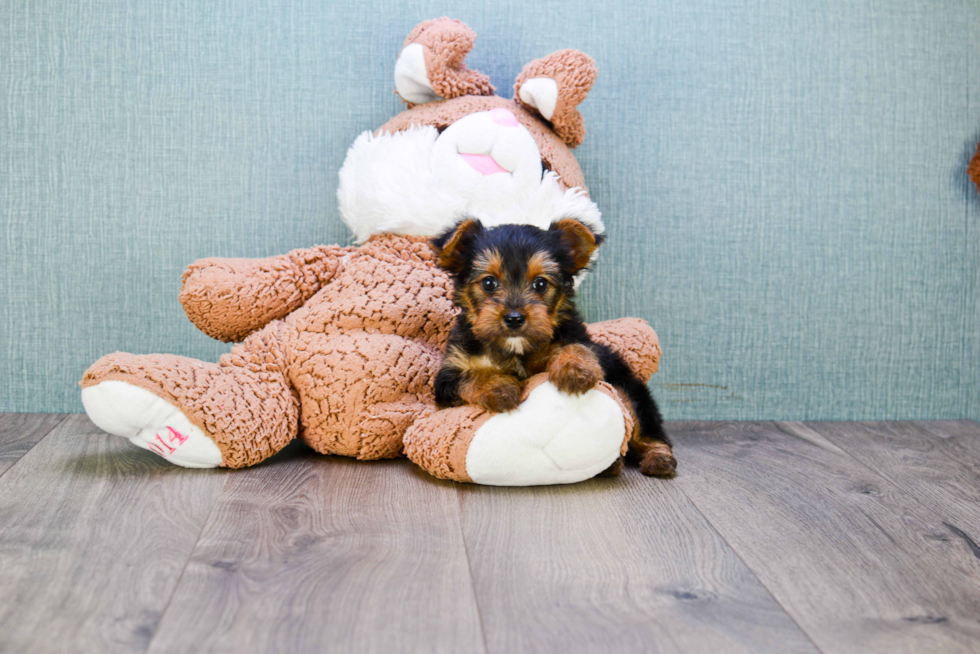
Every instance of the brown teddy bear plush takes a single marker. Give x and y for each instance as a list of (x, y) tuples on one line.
[(339, 346)]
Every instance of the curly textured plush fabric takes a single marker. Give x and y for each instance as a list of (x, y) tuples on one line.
[(445, 43), (438, 443), (574, 72), (242, 403), (349, 372), (623, 335), (228, 299), (555, 153)]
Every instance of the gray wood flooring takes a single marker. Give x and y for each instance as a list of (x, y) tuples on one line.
[(774, 537)]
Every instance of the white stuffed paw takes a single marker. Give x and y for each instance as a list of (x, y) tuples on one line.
[(552, 438), (149, 422)]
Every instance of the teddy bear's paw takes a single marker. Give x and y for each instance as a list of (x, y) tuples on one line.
[(551, 438), (149, 422)]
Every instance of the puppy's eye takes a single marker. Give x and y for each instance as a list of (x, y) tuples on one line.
[(540, 284), (489, 284)]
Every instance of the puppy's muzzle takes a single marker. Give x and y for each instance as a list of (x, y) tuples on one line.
[(514, 320)]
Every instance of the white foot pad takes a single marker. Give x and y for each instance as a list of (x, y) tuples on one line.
[(552, 438), (149, 422)]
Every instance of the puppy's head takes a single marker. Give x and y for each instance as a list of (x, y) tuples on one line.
[(515, 283)]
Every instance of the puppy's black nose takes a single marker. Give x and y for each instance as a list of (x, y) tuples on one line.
[(514, 320)]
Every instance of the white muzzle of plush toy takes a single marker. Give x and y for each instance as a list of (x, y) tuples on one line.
[(489, 159), (421, 182)]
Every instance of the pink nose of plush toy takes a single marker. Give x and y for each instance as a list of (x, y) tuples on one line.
[(503, 117)]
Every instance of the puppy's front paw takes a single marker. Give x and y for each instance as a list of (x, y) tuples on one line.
[(575, 370), (499, 394)]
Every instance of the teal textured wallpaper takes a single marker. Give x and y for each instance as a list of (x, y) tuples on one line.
[(783, 180)]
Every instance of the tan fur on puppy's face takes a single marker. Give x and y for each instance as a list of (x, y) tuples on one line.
[(531, 287)]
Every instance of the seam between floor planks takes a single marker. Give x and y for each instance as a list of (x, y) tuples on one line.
[(94, 530), (5, 416), (837, 444), (183, 569), (748, 567), (469, 570), (750, 542)]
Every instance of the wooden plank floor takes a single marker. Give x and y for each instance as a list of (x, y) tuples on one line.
[(774, 537)]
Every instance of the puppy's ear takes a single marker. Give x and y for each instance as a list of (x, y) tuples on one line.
[(452, 246), (578, 240)]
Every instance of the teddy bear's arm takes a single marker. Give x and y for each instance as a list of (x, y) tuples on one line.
[(228, 299), (634, 340)]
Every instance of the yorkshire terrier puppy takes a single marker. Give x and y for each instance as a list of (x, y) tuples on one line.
[(514, 285)]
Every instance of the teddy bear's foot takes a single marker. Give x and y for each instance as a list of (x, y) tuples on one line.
[(551, 438), (149, 422)]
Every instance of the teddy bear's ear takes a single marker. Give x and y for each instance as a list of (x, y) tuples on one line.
[(578, 240), (430, 66), (452, 246), (555, 86)]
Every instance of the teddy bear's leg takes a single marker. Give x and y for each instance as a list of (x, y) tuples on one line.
[(360, 391), (197, 414), (552, 438)]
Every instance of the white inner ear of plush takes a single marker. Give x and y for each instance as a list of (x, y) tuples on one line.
[(387, 184), (542, 94), (411, 79)]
